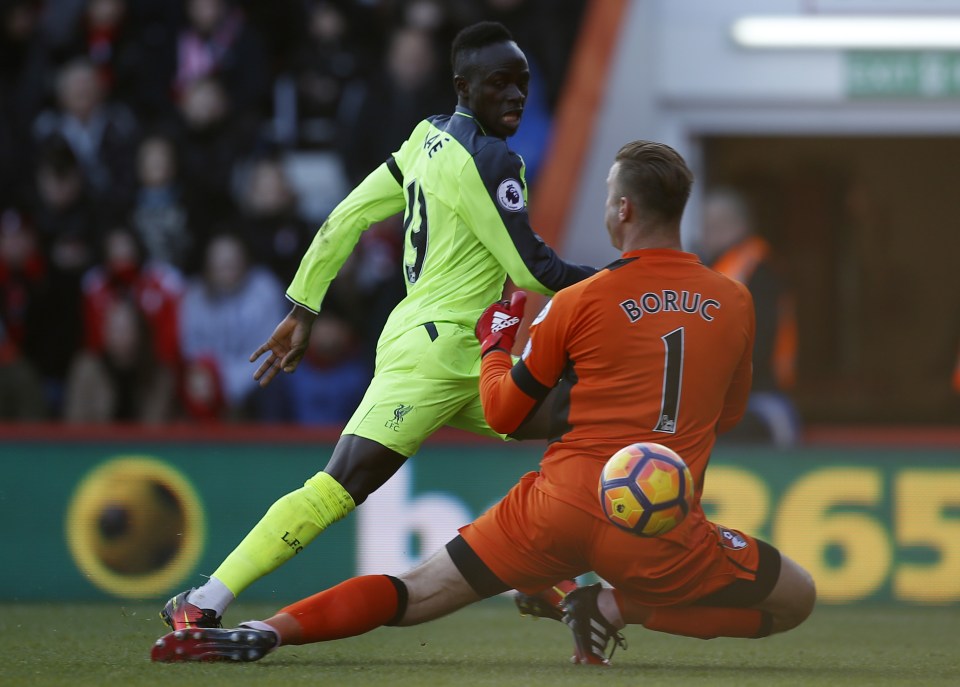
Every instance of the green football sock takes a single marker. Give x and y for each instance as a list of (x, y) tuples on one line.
[(289, 525)]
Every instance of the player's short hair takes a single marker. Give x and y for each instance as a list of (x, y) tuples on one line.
[(473, 38), (655, 178)]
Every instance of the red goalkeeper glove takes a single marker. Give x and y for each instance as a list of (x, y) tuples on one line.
[(499, 324)]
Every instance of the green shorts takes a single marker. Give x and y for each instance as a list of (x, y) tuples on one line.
[(425, 379)]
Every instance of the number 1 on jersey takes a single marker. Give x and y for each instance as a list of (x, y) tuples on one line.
[(415, 232), (672, 378)]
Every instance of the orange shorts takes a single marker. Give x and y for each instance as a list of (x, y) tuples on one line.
[(531, 540)]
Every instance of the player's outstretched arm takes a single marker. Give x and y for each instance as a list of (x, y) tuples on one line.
[(286, 345)]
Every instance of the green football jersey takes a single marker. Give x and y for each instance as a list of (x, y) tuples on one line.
[(463, 195)]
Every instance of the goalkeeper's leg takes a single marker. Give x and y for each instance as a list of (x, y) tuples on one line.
[(432, 590), (734, 611)]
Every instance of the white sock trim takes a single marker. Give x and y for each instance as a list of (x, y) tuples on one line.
[(213, 595), (260, 625), (607, 605)]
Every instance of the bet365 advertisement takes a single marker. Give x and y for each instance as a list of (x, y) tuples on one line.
[(138, 519)]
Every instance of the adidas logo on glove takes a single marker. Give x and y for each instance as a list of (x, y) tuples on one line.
[(502, 320), (499, 323)]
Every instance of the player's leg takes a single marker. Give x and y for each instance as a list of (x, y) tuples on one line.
[(529, 541), (423, 382), (513, 541), (397, 414), (768, 594), (432, 590), (297, 518), (542, 423), (361, 466), (779, 597), (361, 604), (785, 608), (792, 599), (290, 524), (406, 401)]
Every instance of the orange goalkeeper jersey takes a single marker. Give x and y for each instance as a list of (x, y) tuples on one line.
[(656, 347)]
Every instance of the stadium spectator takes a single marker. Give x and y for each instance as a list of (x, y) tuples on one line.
[(282, 28), (59, 21), (410, 87), (21, 392), (21, 283), (212, 137), (225, 313), (218, 41), (125, 275), (12, 186), (101, 134), (131, 49), (269, 218), (30, 318), (331, 380), (22, 276), (633, 359), (24, 72), (201, 391), (67, 233), (107, 42), (439, 18), (23, 62), (159, 215), (731, 245), (330, 63), (65, 214), (122, 380)]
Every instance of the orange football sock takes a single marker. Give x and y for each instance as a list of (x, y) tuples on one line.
[(705, 622), (351, 608)]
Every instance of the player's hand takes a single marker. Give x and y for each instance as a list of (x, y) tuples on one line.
[(499, 324), (286, 345)]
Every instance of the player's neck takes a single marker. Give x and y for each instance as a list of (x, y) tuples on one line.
[(647, 239)]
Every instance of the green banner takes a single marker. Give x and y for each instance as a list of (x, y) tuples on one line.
[(902, 74), (143, 519)]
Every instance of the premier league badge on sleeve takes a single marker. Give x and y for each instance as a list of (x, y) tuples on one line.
[(510, 195)]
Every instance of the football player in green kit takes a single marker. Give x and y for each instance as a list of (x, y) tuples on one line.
[(463, 195)]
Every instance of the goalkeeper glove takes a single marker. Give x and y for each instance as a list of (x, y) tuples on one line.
[(499, 324)]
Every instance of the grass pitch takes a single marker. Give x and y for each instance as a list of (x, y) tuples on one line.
[(488, 644)]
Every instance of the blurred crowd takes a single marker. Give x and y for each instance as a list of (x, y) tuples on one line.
[(149, 218)]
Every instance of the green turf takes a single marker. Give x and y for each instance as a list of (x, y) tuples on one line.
[(108, 644)]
